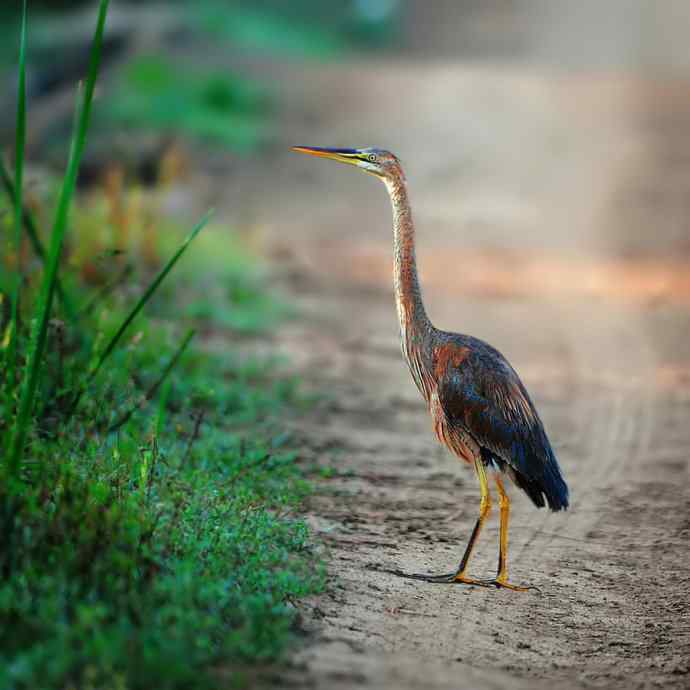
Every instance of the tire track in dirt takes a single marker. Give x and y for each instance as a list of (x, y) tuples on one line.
[(617, 438), (607, 614)]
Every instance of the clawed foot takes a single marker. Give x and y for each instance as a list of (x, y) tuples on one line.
[(500, 583)]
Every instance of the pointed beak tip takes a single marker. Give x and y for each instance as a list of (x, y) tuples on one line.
[(313, 151), (303, 149), (340, 155)]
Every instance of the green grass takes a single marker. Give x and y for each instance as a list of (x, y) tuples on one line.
[(17, 434), (114, 340), (150, 535), (145, 557), (17, 196)]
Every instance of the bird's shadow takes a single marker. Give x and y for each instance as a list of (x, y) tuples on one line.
[(446, 579)]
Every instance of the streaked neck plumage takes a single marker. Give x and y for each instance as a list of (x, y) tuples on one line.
[(415, 326)]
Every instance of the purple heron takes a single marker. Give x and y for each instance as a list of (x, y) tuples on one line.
[(480, 409)]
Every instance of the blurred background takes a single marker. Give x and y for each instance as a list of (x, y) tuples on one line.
[(547, 147), (547, 144), (556, 89)]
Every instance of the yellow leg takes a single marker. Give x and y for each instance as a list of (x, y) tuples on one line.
[(502, 574), (484, 510)]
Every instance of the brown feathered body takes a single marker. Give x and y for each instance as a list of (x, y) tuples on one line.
[(479, 406)]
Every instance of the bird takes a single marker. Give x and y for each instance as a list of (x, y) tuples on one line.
[(479, 407)]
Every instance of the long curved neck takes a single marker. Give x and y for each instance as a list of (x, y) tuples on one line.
[(414, 322)]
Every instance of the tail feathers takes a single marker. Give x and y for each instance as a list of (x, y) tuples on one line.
[(549, 489), (546, 487), (531, 488), (554, 487), (550, 485), (551, 482)]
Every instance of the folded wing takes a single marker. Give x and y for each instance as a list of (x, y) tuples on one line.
[(485, 396)]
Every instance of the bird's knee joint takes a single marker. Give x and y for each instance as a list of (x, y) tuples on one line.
[(503, 502)]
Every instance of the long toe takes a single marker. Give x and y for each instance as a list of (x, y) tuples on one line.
[(501, 583), (462, 580)]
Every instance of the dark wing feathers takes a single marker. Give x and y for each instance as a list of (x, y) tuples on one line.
[(485, 395)]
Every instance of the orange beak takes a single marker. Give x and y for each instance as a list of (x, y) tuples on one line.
[(350, 156)]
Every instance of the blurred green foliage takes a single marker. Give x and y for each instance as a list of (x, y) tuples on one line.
[(301, 28), (268, 30), (152, 92), (160, 91), (225, 286)]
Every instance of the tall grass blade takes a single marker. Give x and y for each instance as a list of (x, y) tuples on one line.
[(20, 146), (162, 407), (42, 313), (150, 290), (31, 229), (157, 384)]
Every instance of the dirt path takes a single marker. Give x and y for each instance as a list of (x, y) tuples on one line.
[(584, 180)]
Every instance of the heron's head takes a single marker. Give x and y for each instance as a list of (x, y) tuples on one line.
[(377, 162)]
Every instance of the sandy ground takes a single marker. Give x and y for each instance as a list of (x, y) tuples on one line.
[(552, 221)]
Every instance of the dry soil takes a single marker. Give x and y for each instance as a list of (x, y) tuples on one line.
[(554, 222)]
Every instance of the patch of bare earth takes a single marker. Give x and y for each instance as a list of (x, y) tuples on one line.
[(585, 296)]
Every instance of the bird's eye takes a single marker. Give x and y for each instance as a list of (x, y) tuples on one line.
[(372, 158)]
